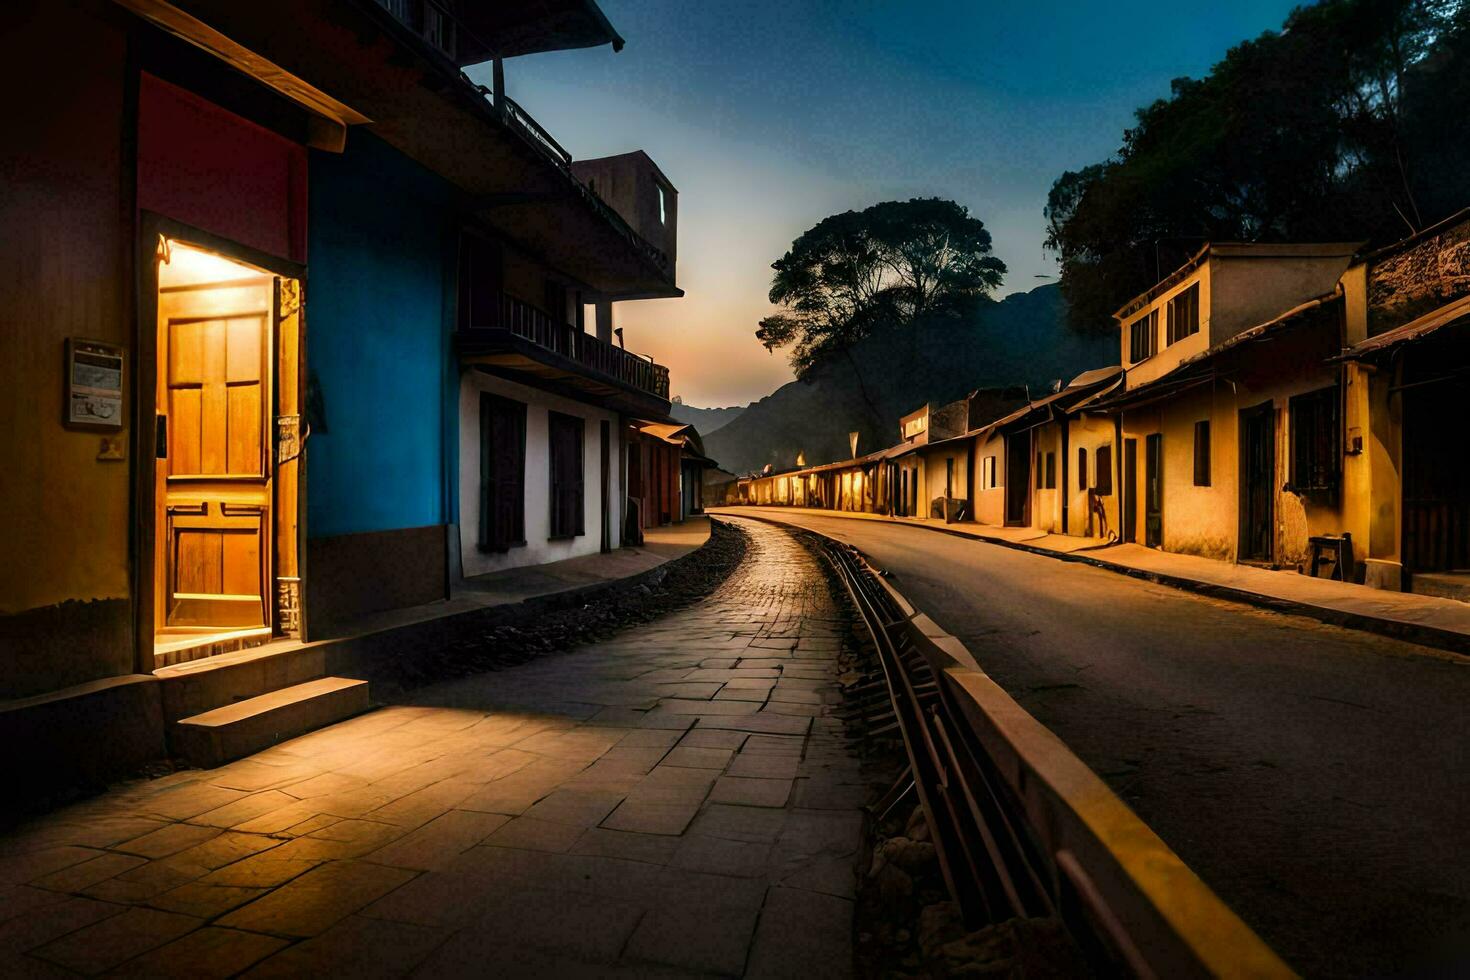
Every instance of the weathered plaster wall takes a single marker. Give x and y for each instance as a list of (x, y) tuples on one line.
[(1251, 291), (1199, 520), (538, 548), (379, 300), (65, 256), (1415, 280), (990, 502), (1089, 433), (1169, 355)]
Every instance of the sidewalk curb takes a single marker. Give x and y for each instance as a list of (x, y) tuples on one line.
[(1430, 636)]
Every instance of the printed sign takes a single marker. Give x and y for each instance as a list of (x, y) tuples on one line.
[(94, 384)]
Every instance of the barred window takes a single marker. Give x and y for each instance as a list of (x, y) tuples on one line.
[(1315, 443)]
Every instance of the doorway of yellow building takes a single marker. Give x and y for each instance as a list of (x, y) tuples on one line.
[(226, 453)]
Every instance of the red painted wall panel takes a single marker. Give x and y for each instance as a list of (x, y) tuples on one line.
[(207, 167)]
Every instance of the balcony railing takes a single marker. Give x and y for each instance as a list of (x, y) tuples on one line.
[(525, 320), (440, 31)]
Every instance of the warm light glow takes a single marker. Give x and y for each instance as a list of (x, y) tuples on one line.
[(189, 266)]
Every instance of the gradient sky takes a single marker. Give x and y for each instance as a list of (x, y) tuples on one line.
[(769, 115)]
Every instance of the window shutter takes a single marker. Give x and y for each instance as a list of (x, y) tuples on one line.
[(1202, 453), (1104, 478), (1082, 468), (502, 472)]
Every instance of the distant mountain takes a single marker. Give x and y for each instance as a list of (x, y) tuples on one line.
[(706, 420), (1022, 339)]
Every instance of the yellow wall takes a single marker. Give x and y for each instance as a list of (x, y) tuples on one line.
[(1090, 432), (66, 513), (1046, 502), (1169, 355), (1206, 520), (990, 503)]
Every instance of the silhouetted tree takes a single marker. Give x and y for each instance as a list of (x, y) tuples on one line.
[(1319, 132), (862, 271)]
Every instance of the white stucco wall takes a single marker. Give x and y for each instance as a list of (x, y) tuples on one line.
[(537, 549)]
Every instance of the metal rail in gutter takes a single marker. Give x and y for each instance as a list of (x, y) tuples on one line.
[(1021, 826)]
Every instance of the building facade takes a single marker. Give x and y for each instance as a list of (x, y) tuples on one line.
[(304, 336), (1279, 405)]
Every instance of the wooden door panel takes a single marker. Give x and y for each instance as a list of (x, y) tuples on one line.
[(214, 345), (216, 573)]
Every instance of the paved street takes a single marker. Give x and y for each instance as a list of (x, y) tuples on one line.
[(1317, 778), (678, 801)]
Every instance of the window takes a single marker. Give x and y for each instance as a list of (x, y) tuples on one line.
[(479, 283), (1040, 472), (1315, 444), (1202, 453), (564, 434), (1103, 481), (1184, 314), (663, 205), (502, 473), (1143, 335), (1051, 471), (1082, 468), (987, 473)]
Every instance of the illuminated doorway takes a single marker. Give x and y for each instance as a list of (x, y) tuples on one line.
[(226, 448)]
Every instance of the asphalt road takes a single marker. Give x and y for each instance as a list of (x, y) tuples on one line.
[(1317, 778)]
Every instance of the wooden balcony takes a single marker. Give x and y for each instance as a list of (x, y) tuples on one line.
[(526, 341)]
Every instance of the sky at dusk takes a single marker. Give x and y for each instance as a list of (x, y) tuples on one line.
[(769, 115)]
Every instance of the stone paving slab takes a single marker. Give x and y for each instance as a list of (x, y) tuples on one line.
[(678, 800)]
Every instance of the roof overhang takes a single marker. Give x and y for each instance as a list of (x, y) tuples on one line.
[(1452, 315), (509, 30), (422, 105)]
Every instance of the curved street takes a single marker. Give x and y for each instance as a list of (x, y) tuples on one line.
[(1317, 778)]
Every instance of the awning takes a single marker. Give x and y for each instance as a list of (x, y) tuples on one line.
[(1456, 314)]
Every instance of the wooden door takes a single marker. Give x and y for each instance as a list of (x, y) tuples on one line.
[(1018, 480), (1257, 482), (1436, 512), (214, 468), (1153, 490), (1129, 499)]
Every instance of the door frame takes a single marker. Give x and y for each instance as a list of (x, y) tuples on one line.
[(1266, 409), (1153, 490), (1128, 492), (1020, 487), (142, 571)]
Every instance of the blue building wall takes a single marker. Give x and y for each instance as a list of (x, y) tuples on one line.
[(379, 319)]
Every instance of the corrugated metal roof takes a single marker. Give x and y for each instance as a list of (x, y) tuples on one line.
[(1450, 314)]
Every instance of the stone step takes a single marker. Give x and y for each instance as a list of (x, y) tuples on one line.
[(235, 730)]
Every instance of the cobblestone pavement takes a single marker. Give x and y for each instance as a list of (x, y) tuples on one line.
[(677, 801)]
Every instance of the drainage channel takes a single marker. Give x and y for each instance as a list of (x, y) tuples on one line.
[(1022, 830)]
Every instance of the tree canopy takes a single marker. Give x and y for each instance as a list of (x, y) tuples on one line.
[(861, 271), (1345, 125)]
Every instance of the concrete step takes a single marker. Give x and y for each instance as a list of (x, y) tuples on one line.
[(199, 686), (235, 730)]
